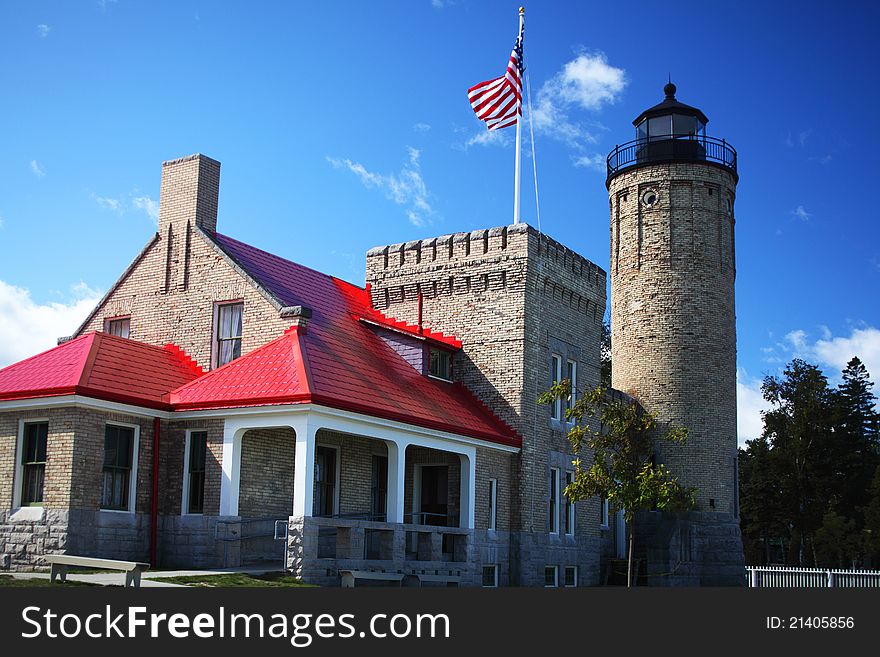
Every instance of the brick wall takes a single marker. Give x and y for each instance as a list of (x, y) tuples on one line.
[(266, 484), (673, 316)]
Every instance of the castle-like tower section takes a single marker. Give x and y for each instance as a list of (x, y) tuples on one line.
[(673, 322)]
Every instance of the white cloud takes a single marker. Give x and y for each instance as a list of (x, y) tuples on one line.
[(43, 30), (107, 203), (406, 187), (804, 135), (835, 352), (1, 221), (824, 159), (800, 213), (588, 82), (596, 161), (28, 327), (422, 127), (38, 171), (750, 403), (148, 205), (487, 138)]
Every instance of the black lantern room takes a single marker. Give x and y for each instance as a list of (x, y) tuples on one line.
[(668, 132)]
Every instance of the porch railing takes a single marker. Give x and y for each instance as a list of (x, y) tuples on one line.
[(792, 577)]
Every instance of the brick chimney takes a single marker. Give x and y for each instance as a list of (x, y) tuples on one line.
[(188, 198), (189, 193)]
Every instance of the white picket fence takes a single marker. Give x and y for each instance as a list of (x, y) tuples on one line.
[(790, 577)]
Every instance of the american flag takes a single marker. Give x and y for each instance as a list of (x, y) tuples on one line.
[(498, 102)]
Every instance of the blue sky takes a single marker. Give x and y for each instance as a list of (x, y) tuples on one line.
[(343, 125)]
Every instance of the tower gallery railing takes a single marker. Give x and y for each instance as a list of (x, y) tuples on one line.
[(671, 148)]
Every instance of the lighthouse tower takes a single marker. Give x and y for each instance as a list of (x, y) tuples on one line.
[(673, 325)]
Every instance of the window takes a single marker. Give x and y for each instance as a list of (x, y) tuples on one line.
[(569, 506), (228, 332), (571, 576), (554, 500), (118, 457), (194, 483), (325, 481), (490, 576), (493, 503), (33, 463), (572, 376), (556, 377), (379, 488), (118, 326), (603, 512), (551, 576), (440, 364)]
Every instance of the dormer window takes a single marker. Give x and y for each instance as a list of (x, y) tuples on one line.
[(228, 329), (440, 364), (118, 326)]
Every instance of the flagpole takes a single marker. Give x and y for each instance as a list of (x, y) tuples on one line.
[(516, 177)]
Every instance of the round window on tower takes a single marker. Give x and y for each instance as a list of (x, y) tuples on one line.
[(650, 197)]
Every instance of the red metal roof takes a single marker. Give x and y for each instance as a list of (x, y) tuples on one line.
[(338, 361), (104, 367)]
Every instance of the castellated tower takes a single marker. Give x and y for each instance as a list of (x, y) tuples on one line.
[(673, 322), (515, 298)]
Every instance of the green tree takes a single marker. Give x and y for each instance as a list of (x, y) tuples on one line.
[(617, 438), (605, 356), (837, 541), (762, 517), (799, 431)]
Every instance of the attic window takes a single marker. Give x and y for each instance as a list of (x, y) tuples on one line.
[(118, 326), (227, 332), (440, 364)]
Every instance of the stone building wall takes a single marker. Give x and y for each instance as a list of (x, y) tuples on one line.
[(673, 317), (512, 296)]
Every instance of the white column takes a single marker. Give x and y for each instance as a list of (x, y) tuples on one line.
[(468, 478), (396, 480), (231, 468), (304, 467)]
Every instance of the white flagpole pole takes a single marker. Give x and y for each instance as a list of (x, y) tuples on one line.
[(522, 12)]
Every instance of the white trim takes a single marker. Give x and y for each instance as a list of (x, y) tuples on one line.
[(401, 428), (493, 505), (603, 513), (565, 572), (184, 493), (133, 471), (26, 514), (18, 472), (336, 475), (555, 584)]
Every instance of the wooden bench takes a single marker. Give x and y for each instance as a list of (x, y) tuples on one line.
[(60, 562), (349, 576)]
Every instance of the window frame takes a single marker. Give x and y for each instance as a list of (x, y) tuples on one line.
[(18, 474), (555, 584), (493, 505), (494, 567), (604, 513), (109, 321), (570, 508), (553, 501), (215, 332), (556, 377), (571, 367), (132, 471), (185, 492), (565, 583), (448, 354)]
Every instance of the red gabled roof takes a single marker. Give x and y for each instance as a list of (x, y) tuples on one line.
[(104, 367), (339, 361)]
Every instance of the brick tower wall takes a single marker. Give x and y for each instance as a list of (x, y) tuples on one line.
[(673, 320)]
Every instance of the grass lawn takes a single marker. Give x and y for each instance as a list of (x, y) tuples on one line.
[(10, 581), (238, 579)]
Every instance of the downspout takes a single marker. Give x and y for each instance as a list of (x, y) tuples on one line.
[(154, 499)]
